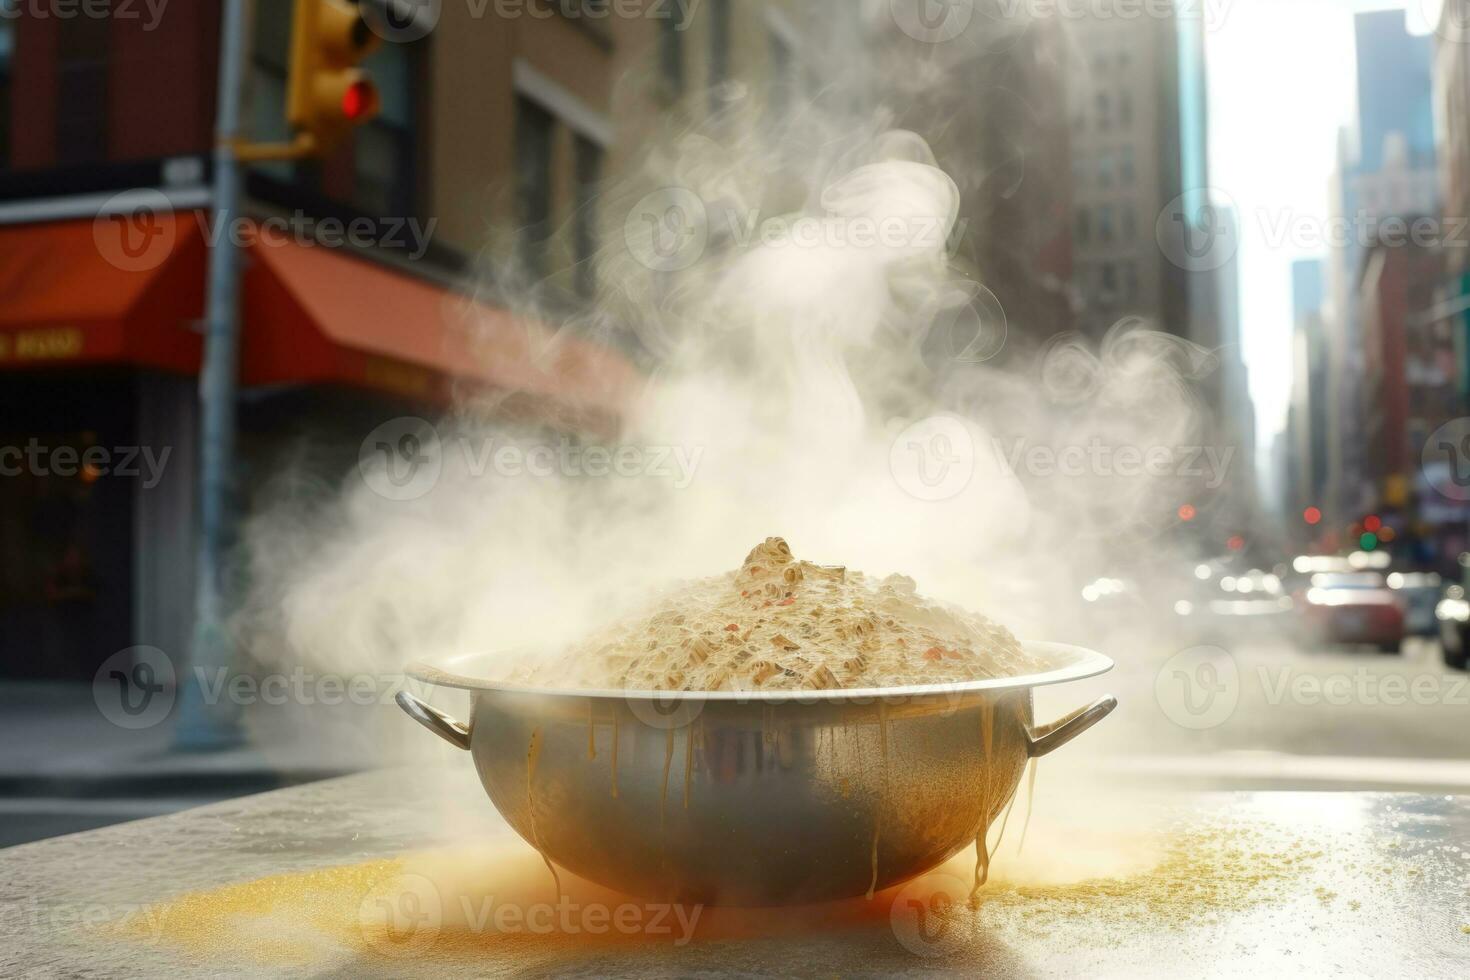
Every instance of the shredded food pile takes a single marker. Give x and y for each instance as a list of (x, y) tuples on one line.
[(779, 623)]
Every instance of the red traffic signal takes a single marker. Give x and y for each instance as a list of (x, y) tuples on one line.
[(328, 94), (360, 100)]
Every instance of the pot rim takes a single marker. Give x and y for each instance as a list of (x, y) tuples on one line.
[(1079, 663)]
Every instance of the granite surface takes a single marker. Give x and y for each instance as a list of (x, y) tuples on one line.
[(411, 873)]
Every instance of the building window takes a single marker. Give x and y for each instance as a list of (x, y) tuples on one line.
[(9, 10), (1105, 169), (1109, 280), (81, 66), (1130, 282), (383, 146), (671, 54), (1104, 110), (781, 73), (1125, 108), (1130, 224), (584, 225), (719, 48), (269, 66), (1125, 165), (1105, 229), (533, 134), (1084, 225)]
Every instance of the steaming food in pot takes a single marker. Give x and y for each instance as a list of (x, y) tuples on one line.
[(780, 623)]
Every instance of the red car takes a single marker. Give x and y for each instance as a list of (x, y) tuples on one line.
[(1353, 608)]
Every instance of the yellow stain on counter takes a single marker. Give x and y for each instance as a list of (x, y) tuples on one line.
[(487, 902)]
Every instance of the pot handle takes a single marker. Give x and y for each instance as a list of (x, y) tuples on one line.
[(434, 720), (1048, 738)]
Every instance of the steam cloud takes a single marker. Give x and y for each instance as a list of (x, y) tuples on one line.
[(794, 362)]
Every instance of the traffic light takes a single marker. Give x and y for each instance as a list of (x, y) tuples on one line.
[(328, 94)]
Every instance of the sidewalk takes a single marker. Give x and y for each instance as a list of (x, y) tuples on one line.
[(67, 768)]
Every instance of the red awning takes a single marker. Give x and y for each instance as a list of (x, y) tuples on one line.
[(319, 315), (117, 290), (102, 291)]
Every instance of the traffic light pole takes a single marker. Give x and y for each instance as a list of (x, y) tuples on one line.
[(202, 725)]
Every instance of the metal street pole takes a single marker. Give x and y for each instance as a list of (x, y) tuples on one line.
[(201, 725)]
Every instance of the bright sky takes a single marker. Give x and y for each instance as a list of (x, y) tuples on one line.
[(1281, 82)]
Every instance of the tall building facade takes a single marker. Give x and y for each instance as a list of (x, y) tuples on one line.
[(1385, 170), (1124, 106), (366, 302), (1137, 98), (1452, 113), (1307, 431)]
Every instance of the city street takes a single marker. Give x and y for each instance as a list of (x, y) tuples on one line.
[(1271, 714), (742, 450)]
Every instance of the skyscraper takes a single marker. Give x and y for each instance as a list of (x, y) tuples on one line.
[(1123, 100), (1386, 168), (1149, 241), (1307, 428)]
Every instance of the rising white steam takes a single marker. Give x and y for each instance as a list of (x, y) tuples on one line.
[(793, 387)]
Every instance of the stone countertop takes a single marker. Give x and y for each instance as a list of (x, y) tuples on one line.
[(411, 873)]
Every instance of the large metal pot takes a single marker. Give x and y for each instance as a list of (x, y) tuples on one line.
[(741, 798)]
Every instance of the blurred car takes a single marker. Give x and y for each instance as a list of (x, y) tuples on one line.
[(1303, 567), (1421, 593), (1453, 615), (1352, 608), (1229, 607)]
